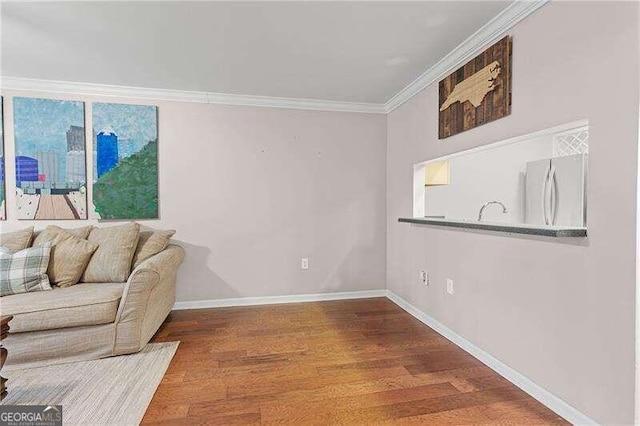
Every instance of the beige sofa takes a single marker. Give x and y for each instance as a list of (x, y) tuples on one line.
[(90, 321)]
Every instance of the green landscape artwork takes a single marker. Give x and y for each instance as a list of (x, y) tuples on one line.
[(125, 175)]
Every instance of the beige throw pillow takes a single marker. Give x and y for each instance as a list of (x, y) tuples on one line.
[(69, 257), (51, 232), (151, 242), (18, 240), (111, 263)]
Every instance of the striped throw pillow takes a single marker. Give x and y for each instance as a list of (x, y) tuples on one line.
[(25, 270)]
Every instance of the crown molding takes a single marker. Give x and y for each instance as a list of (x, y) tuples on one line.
[(484, 37), (489, 33), (91, 89)]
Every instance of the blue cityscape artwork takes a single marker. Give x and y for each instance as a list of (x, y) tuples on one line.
[(3, 214), (50, 159), (125, 175)]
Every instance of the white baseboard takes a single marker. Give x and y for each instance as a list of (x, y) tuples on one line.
[(272, 300), (554, 403)]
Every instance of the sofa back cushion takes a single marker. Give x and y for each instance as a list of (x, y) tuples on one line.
[(150, 243), (18, 240), (25, 270), (51, 232), (111, 262), (69, 258)]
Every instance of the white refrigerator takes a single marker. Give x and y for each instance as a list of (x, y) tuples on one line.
[(555, 191)]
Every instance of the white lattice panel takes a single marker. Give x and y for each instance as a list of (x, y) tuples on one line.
[(571, 143)]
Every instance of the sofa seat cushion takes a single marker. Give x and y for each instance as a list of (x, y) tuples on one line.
[(78, 305)]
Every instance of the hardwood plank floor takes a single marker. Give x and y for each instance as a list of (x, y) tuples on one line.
[(353, 361)]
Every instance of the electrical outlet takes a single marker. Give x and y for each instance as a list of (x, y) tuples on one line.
[(449, 286), (304, 263), (424, 277)]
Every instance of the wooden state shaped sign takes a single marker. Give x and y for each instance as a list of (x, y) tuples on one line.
[(478, 92)]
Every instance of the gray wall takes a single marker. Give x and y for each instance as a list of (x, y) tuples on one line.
[(559, 312), (251, 191)]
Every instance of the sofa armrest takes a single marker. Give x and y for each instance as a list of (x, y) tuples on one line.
[(147, 299), (165, 262)]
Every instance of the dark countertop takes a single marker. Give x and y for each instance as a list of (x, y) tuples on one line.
[(546, 231)]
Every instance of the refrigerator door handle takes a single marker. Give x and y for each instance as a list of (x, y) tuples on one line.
[(546, 197), (543, 198), (553, 193)]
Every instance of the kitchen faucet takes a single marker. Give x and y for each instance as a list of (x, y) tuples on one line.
[(504, 208)]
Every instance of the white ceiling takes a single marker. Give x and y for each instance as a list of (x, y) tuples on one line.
[(338, 51)]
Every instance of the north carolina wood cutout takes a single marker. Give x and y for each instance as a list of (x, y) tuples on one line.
[(474, 88), (478, 92)]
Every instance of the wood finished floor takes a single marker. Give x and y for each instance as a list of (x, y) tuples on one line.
[(358, 361)]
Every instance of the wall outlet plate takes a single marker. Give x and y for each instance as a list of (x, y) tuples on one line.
[(424, 277), (304, 263), (449, 286)]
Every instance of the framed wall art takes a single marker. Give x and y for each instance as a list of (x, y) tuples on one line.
[(478, 92)]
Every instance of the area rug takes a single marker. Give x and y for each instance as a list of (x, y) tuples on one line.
[(114, 390)]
